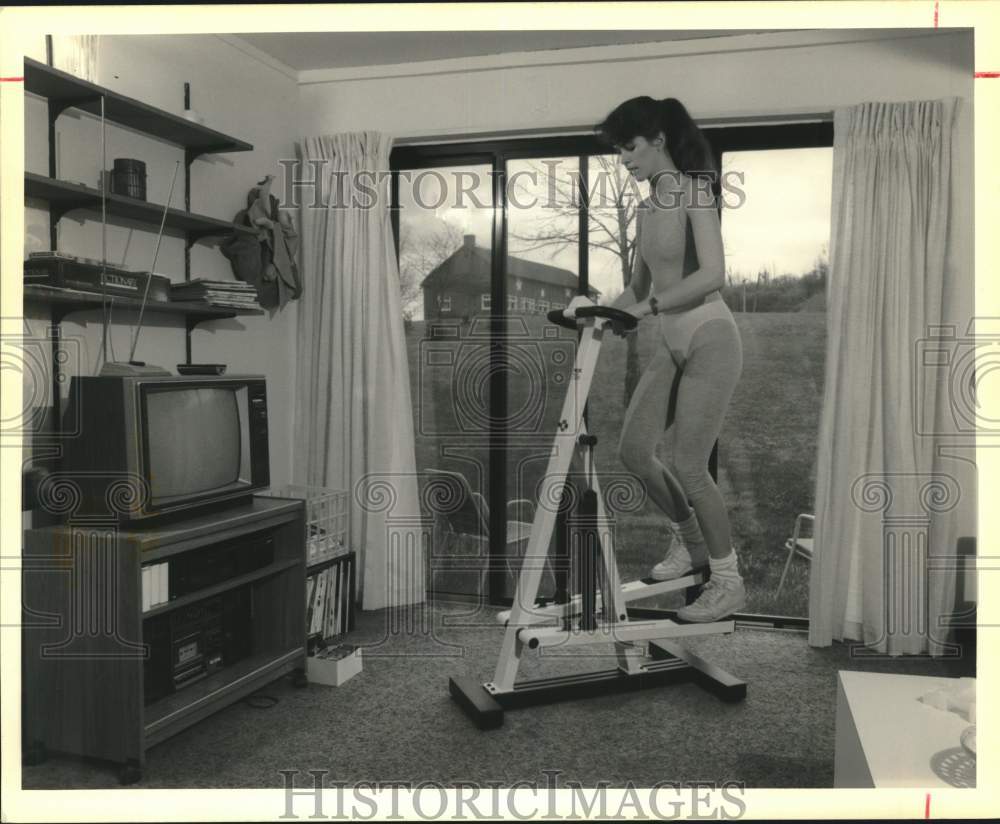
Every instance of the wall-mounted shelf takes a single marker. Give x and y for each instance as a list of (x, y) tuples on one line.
[(64, 301), (65, 91), (64, 197)]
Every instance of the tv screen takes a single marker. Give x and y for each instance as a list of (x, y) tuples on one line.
[(197, 440)]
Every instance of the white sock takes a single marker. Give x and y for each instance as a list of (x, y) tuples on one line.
[(693, 539), (726, 569)]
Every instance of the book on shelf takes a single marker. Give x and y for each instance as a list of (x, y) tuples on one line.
[(223, 285), (328, 593), (210, 300), (331, 599), (310, 600), (155, 585), (336, 572), (319, 605), (211, 294)]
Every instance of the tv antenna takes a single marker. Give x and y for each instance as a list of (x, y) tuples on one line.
[(152, 266), (132, 366)]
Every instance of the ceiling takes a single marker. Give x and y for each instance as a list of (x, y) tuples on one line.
[(334, 50)]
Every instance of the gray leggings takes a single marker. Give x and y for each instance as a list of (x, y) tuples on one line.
[(703, 344)]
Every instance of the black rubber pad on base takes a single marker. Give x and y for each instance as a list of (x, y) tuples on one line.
[(476, 702)]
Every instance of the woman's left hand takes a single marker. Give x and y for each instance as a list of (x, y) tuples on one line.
[(618, 328)]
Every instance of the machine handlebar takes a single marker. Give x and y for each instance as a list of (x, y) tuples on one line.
[(620, 319)]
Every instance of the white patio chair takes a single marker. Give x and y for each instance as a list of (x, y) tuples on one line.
[(799, 545)]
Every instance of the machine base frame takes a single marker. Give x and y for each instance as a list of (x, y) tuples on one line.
[(485, 706)]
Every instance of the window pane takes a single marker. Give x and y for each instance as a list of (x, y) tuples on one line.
[(543, 224), (639, 528), (776, 258), (543, 261), (613, 196), (445, 231), (445, 266)]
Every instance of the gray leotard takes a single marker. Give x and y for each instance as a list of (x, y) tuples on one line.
[(670, 254)]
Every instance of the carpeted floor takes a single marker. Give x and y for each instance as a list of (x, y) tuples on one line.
[(396, 722)]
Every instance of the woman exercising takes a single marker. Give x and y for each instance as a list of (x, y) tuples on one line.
[(697, 336)]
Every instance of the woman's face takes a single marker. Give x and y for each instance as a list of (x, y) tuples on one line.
[(644, 158)]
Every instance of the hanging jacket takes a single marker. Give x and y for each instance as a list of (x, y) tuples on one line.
[(265, 259)]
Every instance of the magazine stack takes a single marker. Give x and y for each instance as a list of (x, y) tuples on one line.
[(230, 294)]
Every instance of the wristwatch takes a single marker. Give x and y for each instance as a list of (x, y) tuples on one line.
[(654, 305)]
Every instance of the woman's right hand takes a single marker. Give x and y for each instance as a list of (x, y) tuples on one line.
[(576, 303)]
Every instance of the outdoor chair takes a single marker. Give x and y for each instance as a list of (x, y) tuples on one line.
[(798, 544), (461, 538)]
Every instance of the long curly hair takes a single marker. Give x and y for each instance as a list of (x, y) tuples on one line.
[(646, 117)]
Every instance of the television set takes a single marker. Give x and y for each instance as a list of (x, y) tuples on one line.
[(148, 447)]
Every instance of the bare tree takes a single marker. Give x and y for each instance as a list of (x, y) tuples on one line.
[(821, 266), (612, 199), (421, 251)]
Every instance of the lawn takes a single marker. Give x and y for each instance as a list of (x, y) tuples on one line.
[(766, 452)]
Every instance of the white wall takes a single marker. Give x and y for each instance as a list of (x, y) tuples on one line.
[(763, 74), (238, 96)]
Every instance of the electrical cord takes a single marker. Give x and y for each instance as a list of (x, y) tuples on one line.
[(260, 701)]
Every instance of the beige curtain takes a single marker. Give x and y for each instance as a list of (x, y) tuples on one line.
[(885, 498), (354, 420)]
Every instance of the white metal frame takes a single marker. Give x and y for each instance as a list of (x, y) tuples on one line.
[(522, 621)]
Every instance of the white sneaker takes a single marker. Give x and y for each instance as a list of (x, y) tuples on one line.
[(676, 563), (719, 597)]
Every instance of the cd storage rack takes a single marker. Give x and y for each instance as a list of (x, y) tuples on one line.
[(328, 555)]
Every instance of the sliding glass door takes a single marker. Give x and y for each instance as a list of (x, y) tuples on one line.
[(445, 223), (524, 227), (776, 243)]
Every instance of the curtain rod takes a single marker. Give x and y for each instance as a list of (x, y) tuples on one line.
[(571, 131)]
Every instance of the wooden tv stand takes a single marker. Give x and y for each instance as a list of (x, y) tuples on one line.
[(83, 638)]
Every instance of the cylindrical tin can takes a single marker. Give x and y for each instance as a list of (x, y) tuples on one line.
[(129, 178)]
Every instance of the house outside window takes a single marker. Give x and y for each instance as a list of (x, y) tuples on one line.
[(485, 301), (530, 304), (446, 303), (543, 305), (511, 303)]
